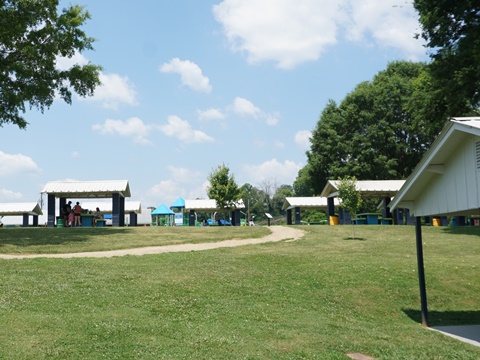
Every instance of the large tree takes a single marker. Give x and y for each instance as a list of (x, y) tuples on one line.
[(451, 29), (377, 132), (33, 36), (223, 188)]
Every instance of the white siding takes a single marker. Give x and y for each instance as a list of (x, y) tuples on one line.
[(457, 189)]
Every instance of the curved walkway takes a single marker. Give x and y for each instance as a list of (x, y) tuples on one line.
[(279, 233)]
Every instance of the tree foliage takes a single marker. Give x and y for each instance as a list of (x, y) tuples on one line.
[(378, 132), (302, 185), (451, 29), (33, 35), (351, 199), (253, 200), (223, 188)]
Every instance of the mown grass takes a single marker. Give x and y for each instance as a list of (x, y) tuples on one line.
[(317, 298), (72, 240)]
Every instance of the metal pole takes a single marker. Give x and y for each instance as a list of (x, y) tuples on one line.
[(421, 272)]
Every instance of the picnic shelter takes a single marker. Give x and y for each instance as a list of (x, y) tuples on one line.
[(25, 209), (210, 205), (369, 189), (295, 204), (117, 190), (445, 182)]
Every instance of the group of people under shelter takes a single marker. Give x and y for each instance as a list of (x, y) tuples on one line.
[(72, 216)]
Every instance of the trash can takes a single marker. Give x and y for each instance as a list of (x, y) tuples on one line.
[(436, 221), (59, 223), (334, 220)]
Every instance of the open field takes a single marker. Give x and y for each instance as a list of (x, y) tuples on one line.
[(320, 297)]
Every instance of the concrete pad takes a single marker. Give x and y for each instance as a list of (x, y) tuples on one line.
[(466, 333)]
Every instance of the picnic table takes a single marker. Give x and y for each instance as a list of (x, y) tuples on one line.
[(369, 218)]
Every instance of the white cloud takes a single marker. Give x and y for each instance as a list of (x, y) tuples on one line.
[(242, 106), (182, 130), (302, 139), (65, 63), (278, 144), (114, 91), (390, 23), (245, 107), (133, 128), (168, 191), (74, 154), (9, 195), (184, 175), (289, 32), (17, 164), (190, 74), (284, 173), (210, 114)]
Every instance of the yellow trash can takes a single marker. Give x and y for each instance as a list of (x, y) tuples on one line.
[(436, 221), (334, 220)]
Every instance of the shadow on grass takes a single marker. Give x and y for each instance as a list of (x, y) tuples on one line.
[(462, 230), (24, 237), (445, 318), (350, 238)]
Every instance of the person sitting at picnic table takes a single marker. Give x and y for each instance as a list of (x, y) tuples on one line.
[(77, 209), (98, 215)]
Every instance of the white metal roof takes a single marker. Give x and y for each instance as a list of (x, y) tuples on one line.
[(106, 206), (452, 139), (207, 205), (87, 189), (312, 202), (18, 209), (367, 188)]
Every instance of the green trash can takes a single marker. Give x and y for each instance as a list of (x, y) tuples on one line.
[(59, 223)]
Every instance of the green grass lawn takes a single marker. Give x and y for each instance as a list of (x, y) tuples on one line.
[(71, 240), (320, 297)]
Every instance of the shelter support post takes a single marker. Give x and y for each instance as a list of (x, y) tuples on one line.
[(35, 220), (399, 213), (344, 217), (62, 203), (191, 218), (289, 217), (386, 209), (410, 220), (297, 216), (421, 272), (25, 220), (133, 219), (51, 210), (118, 210), (330, 207), (235, 217)]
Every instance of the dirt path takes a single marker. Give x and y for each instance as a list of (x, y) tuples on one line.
[(279, 233)]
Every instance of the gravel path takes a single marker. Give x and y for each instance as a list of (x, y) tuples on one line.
[(279, 233)]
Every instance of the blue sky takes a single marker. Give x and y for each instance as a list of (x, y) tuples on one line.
[(188, 85)]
